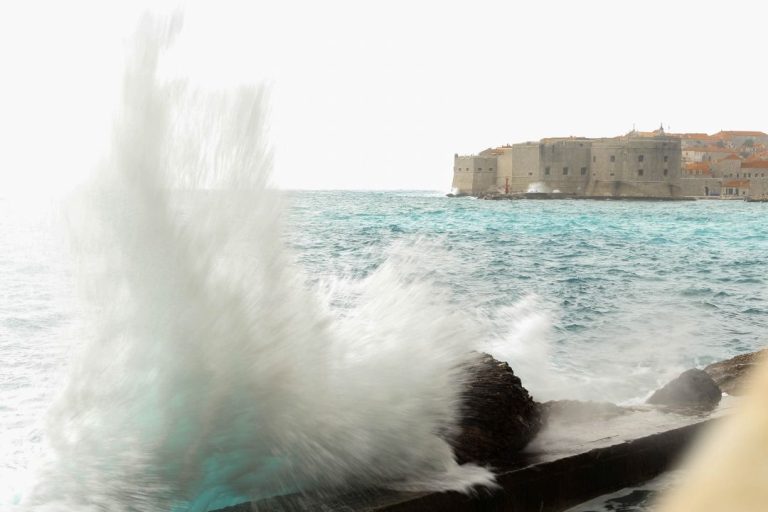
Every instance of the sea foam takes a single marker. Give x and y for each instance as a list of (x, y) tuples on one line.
[(211, 373)]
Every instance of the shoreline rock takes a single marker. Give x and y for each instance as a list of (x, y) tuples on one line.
[(499, 416), (729, 374), (691, 389)]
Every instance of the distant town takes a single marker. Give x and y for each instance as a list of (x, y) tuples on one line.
[(657, 164)]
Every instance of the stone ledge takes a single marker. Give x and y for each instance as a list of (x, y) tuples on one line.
[(542, 487)]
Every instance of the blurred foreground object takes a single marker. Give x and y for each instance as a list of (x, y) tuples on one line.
[(728, 469)]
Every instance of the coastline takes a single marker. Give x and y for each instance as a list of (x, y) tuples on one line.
[(569, 463)]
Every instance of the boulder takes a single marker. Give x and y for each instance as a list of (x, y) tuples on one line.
[(499, 417), (730, 373), (692, 389)]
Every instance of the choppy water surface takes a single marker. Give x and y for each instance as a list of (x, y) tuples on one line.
[(593, 300), (634, 290), (225, 346)]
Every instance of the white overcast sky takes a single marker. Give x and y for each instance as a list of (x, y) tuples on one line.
[(380, 95)]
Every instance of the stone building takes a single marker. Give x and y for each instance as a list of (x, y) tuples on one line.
[(741, 138), (639, 164), (688, 140), (727, 166), (735, 188), (729, 178), (756, 172), (518, 167), (634, 165), (474, 174), (705, 153)]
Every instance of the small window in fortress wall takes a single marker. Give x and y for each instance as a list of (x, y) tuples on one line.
[(546, 171), (613, 158), (640, 172), (565, 171), (583, 171), (666, 172), (594, 159), (490, 168), (666, 158), (611, 174), (479, 168), (640, 158)]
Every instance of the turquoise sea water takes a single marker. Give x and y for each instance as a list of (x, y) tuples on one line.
[(630, 288), (593, 299)]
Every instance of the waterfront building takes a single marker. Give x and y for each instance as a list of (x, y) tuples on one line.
[(654, 164), (635, 165)]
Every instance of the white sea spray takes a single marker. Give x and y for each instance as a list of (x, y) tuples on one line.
[(211, 373)]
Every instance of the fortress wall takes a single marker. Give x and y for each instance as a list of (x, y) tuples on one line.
[(639, 166), (565, 165), (633, 189), (485, 174), (630, 166), (474, 174), (463, 176), (519, 165), (700, 186)]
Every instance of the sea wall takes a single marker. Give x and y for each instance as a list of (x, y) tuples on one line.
[(548, 486)]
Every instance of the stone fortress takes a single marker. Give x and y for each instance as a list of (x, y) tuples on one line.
[(654, 164)]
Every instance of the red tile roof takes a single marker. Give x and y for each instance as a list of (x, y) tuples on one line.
[(697, 168), (691, 135), (558, 139), (709, 149), (761, 155), (736, 183), (728, 134), (755, 164)]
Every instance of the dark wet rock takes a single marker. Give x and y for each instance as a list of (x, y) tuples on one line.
[(729, 374), (575, 411), (637, 500), (499, 417), (692, 389)]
